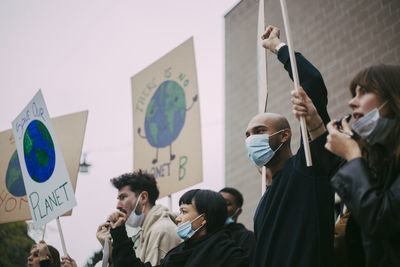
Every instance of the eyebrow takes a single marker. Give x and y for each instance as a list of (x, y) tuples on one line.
[(256, 128)]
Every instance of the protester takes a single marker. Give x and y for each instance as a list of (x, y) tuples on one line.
[(293, 223), (43, 255), (243, 237), (200, 223), (369, 183), (137, 194)]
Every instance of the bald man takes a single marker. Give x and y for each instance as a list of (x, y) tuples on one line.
[(293, 223)]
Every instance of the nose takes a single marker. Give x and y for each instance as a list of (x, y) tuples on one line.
[(353, 103), (119, 205), (178, 219)]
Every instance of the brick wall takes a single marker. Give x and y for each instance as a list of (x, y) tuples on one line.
[(339, 37)]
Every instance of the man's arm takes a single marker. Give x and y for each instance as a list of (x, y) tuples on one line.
[(310, 78), (122, 252)]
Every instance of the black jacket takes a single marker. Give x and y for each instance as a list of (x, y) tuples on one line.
[(215, 249), (244, 238), (375, 213)]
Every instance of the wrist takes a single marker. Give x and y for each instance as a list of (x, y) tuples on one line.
[(315, 127), (353, 154), (278, 46)]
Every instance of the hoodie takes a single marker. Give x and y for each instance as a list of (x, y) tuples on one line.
[(158, 235)]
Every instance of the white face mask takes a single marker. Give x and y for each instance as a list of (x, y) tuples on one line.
[(374, 128), (136, 220)]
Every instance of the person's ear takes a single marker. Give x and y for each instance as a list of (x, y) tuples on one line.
[(239, 212), (286, 134), (144, 197), (204, 220)]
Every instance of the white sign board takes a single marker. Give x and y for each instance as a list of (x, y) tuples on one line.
[(47, 183)]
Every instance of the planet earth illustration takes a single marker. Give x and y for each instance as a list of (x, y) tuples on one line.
[(39, 152), (165, 114), (14, 181)]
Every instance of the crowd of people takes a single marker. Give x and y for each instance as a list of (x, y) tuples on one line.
[(295, 222)]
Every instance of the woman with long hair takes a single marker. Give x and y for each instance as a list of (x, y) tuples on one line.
[(369, 183)]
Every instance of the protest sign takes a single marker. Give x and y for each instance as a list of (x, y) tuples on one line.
[(166, 120), (47, 183)]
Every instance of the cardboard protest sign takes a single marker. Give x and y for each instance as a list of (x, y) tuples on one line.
[(48, 187), (166, 120)]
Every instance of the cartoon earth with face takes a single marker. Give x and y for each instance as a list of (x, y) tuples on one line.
[(165, 116), (39, 152), (14, 181)]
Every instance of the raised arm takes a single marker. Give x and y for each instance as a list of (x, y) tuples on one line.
[(310, 78)]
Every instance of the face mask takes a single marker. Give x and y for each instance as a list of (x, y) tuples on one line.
[(258, 149), (230, 220), (136, 220), (185, 230), (374, 128)]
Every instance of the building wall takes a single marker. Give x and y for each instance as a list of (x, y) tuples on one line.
[(340, 37)]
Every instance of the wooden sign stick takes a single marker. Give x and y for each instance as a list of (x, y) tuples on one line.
[(61, 236), (296, 81), (262, 76)]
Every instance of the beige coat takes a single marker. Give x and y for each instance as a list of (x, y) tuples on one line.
[(158, 235)]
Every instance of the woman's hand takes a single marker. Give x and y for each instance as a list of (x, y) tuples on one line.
[(67, 261), (44, 252), (340, 143)]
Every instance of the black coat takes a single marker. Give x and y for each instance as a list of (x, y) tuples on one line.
[(244, 238), (215, 249), (375, 214)]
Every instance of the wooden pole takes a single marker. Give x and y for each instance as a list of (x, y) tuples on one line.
[(61, 236), (262, 76), (296, 80), (44, 231), (170, 202)]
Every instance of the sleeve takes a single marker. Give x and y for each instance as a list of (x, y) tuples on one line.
[(325, 164), (377, 211), (123, 253), (248, 243), (310, 79), (162, 239)]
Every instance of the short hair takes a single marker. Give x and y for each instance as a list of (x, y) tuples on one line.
[(209, 202), (138, 182), (235, 193)]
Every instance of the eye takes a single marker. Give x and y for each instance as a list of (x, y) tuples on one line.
[(362, 91), (259, 131)]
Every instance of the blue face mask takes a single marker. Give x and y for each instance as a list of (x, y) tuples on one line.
[(374, 128), (229, 220), (258, 149), (185, 230)]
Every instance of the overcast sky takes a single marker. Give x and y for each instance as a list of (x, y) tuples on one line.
[(82, 55)]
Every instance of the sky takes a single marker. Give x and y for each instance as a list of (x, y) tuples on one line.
[(82, 55)]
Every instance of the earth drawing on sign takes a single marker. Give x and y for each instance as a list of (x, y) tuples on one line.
[(39, 152), (165, 116), (14, 181)]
